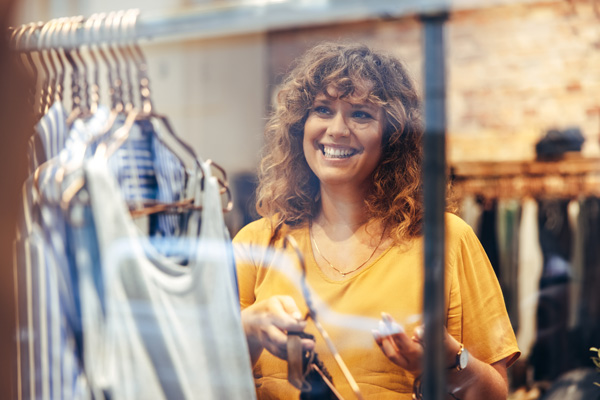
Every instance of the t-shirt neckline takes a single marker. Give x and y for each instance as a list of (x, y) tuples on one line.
[(311, 259)]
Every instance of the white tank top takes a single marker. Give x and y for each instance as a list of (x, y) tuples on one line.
[(170, 331)]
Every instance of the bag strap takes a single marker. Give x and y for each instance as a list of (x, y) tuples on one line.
[(299, 361)]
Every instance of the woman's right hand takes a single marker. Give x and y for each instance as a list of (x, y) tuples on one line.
[(267, 322)]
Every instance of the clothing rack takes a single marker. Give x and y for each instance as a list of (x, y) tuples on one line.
[(566, 178), (250, 17)]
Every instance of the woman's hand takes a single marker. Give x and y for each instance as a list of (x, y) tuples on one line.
[(407, 352), (267, 322), (404, 351), (478, 381)]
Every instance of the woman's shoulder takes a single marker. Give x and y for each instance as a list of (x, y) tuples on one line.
[(255, 232), (457, 230), (455, 224), (260, 232)]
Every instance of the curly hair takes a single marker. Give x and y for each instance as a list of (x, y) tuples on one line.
[(288, 190)]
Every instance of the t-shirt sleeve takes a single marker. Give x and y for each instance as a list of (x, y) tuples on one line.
[(476, 313), (250, 247), (246, 266)]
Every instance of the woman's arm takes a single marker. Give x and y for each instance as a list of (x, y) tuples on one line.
[(478, 380)]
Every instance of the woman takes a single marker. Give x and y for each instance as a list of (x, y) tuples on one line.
[(341, 174)]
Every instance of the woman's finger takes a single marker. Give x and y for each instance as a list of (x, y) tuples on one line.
[(396, 345), (389, 349), (396, 332), (290, 307), (281, 317), (276, 342), (419, 335)]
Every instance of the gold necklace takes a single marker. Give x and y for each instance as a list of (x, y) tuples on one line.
[(312, 238)]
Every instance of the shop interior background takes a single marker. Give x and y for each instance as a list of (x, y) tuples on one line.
[(515, 71)]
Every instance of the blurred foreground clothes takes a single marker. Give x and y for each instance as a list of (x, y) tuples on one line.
[(116, 307)]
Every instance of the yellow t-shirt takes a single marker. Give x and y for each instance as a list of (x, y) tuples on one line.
[(349, 309)]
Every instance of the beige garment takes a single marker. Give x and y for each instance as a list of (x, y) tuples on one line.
[(470, 212), (530, 271), (577, 262)]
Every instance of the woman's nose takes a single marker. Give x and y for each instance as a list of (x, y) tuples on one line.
[(338, 126)]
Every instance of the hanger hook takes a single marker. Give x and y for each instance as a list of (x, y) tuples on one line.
[(142, 68), (30, 65), (52, 43), (99, 39), (127, 27), (83, 75), (119, 29), (44, 54), (95, 87), (67, 44), (53, 55), (116, 87)]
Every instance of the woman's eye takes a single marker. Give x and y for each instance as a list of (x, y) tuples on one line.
[(321, 110), (361, 115)]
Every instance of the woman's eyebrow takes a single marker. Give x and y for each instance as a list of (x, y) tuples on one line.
[(363, 105), (328, 101), (323, 100)]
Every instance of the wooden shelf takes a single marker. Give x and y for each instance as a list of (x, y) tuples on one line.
[(566, 166), (570, 177)]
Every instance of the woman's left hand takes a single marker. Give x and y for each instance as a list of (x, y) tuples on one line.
[(402, 350), (479, 380), (407, 352)]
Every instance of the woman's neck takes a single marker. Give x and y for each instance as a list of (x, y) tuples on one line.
[(341, 210)]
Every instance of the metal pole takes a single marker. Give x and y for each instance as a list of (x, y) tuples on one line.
[(230, 18), (434, 171)]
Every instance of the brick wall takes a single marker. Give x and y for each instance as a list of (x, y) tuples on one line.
[(513, 72)]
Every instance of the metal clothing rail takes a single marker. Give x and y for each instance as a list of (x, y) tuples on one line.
[(248, 17), (434, 194)]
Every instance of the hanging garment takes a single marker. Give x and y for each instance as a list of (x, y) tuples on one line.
[(576, 384), (48, 263), (84, 256), (508, 250), (589, 308), (550, 355), (529, 275), (488, 235), (146, 170), (556, 239), (144, 167), (170, 179), (49, 138), (49, 338), (577, 261), (47, 344), (171, 331), (470, 212)]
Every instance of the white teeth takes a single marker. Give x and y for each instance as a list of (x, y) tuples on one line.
[(337, 153)]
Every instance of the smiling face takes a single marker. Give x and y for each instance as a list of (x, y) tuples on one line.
[(342, 139)]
